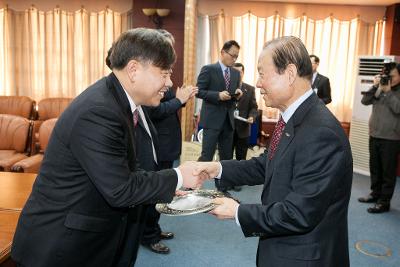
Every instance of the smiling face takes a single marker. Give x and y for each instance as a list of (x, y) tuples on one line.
[(275, 87), (148, 83)]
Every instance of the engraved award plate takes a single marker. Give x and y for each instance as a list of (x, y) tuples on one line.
[(194, 202)]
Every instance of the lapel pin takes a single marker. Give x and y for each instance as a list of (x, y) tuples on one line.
[(287, 134)]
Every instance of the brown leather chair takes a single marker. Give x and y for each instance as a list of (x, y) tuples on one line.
[(14, 133), (32, 164), (18, 105), (48, 108)]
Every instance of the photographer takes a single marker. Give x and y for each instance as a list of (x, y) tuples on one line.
[(384, 141)]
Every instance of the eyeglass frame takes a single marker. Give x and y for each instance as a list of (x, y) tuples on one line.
[(234, 57)]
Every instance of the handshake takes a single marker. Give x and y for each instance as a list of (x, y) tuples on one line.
[(194, 173)]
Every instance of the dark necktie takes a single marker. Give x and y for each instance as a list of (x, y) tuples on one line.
[(135, 117), (227, 78), (276, 137)]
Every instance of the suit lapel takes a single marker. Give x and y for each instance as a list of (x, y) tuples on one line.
[(288, 135), (153, 138), (220, 75), (125, 110), (316, 81)]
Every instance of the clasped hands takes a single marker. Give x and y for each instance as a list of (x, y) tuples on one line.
[(196, 173)]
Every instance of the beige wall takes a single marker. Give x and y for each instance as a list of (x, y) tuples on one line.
[(289, 10), (69, 5)]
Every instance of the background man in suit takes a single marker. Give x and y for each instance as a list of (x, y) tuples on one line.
[(166, 120), (319, 83), (307, 170), (89, 186), (218, 83), (247, 107)]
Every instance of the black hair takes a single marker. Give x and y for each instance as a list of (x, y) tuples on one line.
[(144, 45), (227, 45), (316, 59), (240, 65)]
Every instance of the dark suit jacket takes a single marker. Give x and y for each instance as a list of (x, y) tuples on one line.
[(302, 220), (77, 212), (145, 159), (166, 121), (210, 83), (247, 106), (324, 88)]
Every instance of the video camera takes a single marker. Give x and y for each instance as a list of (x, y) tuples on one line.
[(385, 75)]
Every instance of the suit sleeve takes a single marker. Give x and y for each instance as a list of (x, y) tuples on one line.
[(203, 84), (99, 144), (319, 168), (165, 109), (244, 172), (326, 98), (369, 96)]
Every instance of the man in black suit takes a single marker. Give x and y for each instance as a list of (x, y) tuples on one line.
[(87, 200), (218, 83), (319, 83), (165, 119), (306, 172), (247, 107)]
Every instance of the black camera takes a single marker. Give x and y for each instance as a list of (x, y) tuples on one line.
[(385, 76)]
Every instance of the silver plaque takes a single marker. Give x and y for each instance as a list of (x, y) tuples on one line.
[(194, 202)]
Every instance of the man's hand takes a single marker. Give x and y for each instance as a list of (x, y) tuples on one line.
[(184, 93), (226, 208), (238, 91), (377, 79), (211, 169), (224, 96), (191, 178), (250, 120), (385, 88)]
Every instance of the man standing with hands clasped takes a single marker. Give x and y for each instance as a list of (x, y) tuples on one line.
[(306, 172)]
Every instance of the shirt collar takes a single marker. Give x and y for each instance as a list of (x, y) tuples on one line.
[(314, 75), (223, 67), (288, 113), (131, 103)]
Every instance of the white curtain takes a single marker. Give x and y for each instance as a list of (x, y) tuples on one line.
[(55, 53), (337, 44)]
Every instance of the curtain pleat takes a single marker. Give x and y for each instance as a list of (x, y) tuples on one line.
[(55, 53)]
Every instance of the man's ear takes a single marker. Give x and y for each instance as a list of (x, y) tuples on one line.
[(291, 72), (132, 68)]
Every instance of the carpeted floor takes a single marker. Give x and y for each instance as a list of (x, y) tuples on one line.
[(202, 240)]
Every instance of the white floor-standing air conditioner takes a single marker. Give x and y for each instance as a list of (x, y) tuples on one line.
[(368, 67)]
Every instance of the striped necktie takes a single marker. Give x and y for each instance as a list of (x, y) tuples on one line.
[(276, 137)]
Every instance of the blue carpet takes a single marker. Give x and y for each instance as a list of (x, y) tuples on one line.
[(202, 240)]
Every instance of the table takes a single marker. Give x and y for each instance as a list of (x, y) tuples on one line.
[(14, 191)]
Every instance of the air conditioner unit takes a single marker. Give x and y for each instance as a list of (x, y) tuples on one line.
[(368, 67)]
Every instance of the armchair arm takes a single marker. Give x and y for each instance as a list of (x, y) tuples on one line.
[(28, 165), (6, 163)]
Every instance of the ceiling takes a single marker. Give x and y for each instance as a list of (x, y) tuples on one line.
[(338, 2)]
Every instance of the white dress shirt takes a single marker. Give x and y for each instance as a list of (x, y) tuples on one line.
[(142, 117)]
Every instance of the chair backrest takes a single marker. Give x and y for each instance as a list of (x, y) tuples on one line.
[(45, 132), (49, 108), (17, 105), (14, 132)]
